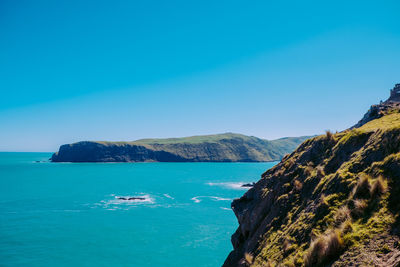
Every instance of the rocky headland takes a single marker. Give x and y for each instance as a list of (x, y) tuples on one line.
[(207, 148), (334, 201)]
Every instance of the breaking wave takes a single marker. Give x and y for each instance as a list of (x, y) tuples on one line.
[(197, 199)]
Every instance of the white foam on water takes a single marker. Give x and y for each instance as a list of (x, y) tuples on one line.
[(221, 199), (118, 200), (223, 208), (168, 196), (116, 203), (197, 198), (230, 185)]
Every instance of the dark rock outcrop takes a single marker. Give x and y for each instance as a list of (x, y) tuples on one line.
[(248, 185), (392, 104), (132, 198)]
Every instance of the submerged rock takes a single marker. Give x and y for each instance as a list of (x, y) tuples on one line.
[(131, 198), (248, 185)]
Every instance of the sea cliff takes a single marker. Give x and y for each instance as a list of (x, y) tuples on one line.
[(334, 201)]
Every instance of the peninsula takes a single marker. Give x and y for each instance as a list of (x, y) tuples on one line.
[(228, 147)]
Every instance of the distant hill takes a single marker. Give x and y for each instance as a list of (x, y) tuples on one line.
[(228, 147)]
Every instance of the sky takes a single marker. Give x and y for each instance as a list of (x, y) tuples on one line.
[(125, 70)]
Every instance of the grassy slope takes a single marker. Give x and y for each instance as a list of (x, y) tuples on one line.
[(229, 145), (286, 142), (329, 201), (193, 139)]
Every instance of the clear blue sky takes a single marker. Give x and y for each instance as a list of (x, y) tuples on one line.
[(123, 70)]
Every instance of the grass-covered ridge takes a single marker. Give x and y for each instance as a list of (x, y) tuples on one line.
[(212, 138), (228, 147), (387, 122), (334, 200)]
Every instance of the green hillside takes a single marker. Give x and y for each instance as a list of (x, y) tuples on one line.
[(334, 201), (227, 147)]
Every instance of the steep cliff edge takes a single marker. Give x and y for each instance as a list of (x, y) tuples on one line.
[(207, 148), (334, 201), (392, 104)]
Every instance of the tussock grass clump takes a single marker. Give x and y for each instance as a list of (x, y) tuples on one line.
[(342, 215), (249, 258), (358, 207), (288, 247), (329, 135), (286, 244), (334, 244), (346, 227), (308, 170), (320, 171), (297, 185), (315, 253), (324, 248), (323, 200), (362, 189), (379, 187)]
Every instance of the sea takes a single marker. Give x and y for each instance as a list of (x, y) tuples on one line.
[(75, 214)]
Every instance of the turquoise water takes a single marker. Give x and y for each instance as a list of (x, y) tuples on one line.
[(63, 214)]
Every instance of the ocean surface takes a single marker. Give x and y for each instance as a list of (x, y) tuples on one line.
[(70, 214)]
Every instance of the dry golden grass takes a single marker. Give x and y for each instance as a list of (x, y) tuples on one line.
[(379, 187), (329, 135), (297, 185), (324, 248), (320, 171), (386, 122), (249, 258), (359, 206), (334, 244), (346, 227), (362, 189), (342, 215), (286, 244)]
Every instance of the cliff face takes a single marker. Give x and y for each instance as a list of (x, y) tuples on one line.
[(102, 152), (334, 201), (213, 148)]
